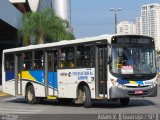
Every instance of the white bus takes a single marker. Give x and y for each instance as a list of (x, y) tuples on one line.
[(104, 67)]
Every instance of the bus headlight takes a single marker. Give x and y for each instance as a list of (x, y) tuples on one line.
[(155, 83), (120, 86), (116, 84)]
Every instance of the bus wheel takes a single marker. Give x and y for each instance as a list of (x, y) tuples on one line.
[(86, 97), (124, 101), (30, 95)]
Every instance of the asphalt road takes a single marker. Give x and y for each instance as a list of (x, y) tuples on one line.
[(10, 105)]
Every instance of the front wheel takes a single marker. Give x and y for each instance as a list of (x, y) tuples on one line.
[(30, 95), (124, 101), (86, 97)]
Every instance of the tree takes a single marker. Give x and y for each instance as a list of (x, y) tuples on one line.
[(158, 52), (42, 27)]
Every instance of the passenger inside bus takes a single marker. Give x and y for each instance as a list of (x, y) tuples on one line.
[(62, 58), (67, 58), (128, 55), (70, 58)]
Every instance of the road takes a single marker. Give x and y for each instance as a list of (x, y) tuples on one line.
[(18, 105)]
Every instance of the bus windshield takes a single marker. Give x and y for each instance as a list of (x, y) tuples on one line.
[(133, 60)]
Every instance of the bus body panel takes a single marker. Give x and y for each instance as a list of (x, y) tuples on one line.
[(68, 80), (9, 87), (39, 90), (36, 78), (121, 88)]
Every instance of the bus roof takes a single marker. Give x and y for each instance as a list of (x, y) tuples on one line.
[(60, 43), (66, 42)]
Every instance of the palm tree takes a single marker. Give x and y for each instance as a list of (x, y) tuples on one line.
[(44, 26)]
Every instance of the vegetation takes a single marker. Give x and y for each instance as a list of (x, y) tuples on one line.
[(43, 27), (158, 52)]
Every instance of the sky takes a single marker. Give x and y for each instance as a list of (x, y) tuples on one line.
[(92, 17)]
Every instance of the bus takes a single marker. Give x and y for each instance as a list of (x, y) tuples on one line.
[(105, 67)]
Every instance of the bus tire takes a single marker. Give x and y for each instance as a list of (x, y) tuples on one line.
[(124, 101), (30, 95), (86, 97)]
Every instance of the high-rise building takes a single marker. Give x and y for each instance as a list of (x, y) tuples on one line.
[(138, 25), (63, 9), (125, 27), (150, 15)]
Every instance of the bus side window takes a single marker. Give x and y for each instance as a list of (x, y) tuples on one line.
[(52, 61), (27, 60), (38, 60), (80, 56), (67, 57), (70, 57), (63, 58), (9, 62), (84, 56)]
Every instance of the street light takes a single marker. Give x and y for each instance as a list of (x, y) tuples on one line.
[(115, 16)]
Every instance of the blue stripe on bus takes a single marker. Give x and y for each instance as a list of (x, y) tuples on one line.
[(123, 81), (38, 75), (139, 82), (9, 75), (52, 79)]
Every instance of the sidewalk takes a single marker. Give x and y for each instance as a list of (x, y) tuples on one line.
[(2, 94)]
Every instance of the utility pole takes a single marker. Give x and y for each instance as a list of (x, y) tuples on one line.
[(115, 16)]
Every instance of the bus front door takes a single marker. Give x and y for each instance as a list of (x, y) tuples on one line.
[(18, 74), (101, 70), (51, 69)]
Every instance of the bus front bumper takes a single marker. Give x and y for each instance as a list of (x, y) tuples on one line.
[(116, 92)]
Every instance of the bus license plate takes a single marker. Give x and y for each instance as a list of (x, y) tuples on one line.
[(138, 92)]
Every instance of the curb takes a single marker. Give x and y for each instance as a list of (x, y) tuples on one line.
[(3, 94)]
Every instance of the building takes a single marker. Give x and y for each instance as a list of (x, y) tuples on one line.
[(125, 27), (138, 25), (150, 15), (63, 9)]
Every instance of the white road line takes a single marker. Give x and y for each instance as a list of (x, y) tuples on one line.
[(10, 99), (19, 111)]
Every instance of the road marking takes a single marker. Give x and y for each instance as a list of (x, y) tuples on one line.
[(20, 111), (10, 98)]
